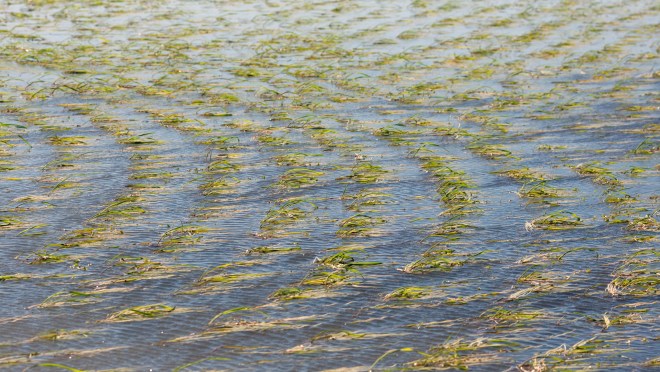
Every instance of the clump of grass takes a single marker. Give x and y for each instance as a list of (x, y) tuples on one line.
[(222, 166), (540, 190), (42, 257), (462, 354), (407, 293), (142, 312), (69, 298), (559, 220), (365, 172), (68, 141), (7, 222), (343, 260), (124, 206), (523, 174), (62, 334), (270, 249), (272, 140), (227, 278), (491, 151), (288, 212), (599, 174), (358, 225), (442, 259), (365, 198), (291, 159), (328, 278), (182, 235), (140, 139), (223, 185), (299, 177), (288, 294), (456, 225), (636, 277), (502, 316), (645, 223)]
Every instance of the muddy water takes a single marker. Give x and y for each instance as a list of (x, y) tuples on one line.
[(329, 185)]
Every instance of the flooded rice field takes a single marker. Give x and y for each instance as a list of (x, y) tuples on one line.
[(344, 185)]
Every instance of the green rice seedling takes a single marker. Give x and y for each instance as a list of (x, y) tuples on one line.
[(236, 310), (491, 151), (390, 352), (358, 225), (140, 139), (62, 334), (17, 276), (33, 230), (6, 166), (340, 335), (619, 197), (397, 137), (540, 190), (143, 186), (273, 141), (68, 141), (70, 298), (647, 147), (79, 108), (221, 186), (222, 166), (365, 172), (450, 131), (640, 283), (524, 174), (289, 212), (151, 175), (624, 215), (216, 114), (607, 320), (7, 222), (327, 278), (288, 294), (461, 354), (223, 143), (123, 206), (142, 312), (452, 226), (220, 98), (638, 238), (343, 260), (182, 235), (550, 148), (634, 171), (63, 161), (243, 125), (293, 159), (365, 198), (599, 175), (270, 249), (439, 260), (559, 220), (299, 177), (505, 317), (90, 235), (228, 278), (645, 223), (407, 293), (42, 257)]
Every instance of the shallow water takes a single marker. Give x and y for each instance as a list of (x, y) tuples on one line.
[(179, 180)]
